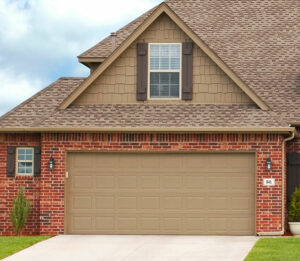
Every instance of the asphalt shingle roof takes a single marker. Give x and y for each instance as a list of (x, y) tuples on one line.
[(258, 39)]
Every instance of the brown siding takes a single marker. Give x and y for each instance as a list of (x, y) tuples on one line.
[(118, 83)]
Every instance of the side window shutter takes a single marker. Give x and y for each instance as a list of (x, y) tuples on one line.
[(37, 161), (11, 161), (187, 71), (142, 71)]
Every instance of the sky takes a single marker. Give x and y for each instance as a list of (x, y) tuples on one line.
[(41, 39)]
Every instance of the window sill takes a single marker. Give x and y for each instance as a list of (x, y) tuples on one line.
[(24, 177)]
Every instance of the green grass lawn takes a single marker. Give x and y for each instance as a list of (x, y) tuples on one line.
[(10, 245), (275, 249)]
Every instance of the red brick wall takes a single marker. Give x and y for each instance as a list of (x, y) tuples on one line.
[(10, 185), (52, 183)]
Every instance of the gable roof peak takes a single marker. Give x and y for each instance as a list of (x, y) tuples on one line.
[(160, 9)]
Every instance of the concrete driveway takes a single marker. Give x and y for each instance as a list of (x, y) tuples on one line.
[(138, 248)]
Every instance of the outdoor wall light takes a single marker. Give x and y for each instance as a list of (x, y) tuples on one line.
[(51, 163), (269, 164)]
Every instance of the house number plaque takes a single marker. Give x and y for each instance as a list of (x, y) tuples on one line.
[(269, 182)]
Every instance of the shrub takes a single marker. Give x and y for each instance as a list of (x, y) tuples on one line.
[(20, 210), (294, 209)]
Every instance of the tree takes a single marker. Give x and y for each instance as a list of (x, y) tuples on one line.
[(294, 209), (20, 210)]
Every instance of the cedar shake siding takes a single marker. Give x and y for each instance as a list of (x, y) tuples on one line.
[(118, 83)]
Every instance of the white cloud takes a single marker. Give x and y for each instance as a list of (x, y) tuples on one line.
[(15, 89), (40, 39)]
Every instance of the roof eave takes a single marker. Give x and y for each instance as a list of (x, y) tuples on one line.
[(283, 130)]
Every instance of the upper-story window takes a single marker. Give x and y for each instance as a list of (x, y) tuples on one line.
[(25, 161), (165, 71)]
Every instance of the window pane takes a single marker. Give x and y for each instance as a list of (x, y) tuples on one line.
[(175, 64), (164, 91), (28, 164), (164, 64), (154, 50), (21, 170), (154, 78), (28, 156), (174, 78), (164, 78), (21, 151), (154, 63), (21, 164), (164, 85), (29, 151), (174, 91), (21, 157), (28, 170), (164, 50), (164, 56), (154, 90)]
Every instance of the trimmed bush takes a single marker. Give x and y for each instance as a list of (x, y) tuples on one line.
[(20, 210), (294, 209)]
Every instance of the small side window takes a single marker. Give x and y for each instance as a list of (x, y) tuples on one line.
[(24, 161)]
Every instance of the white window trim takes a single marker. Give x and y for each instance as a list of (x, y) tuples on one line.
[(180, 73), (17, 161)]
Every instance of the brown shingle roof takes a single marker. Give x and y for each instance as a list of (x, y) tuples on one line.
[(258, 39), (33, 111), (41, 111)]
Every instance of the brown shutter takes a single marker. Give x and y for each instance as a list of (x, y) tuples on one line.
[(11, 161), (187, 71), (37, 161), (142, 71)]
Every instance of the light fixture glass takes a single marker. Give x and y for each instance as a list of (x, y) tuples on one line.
[(269, 164), (51, 163)]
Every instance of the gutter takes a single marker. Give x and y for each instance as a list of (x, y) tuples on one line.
[(282, 130), (283, 160)]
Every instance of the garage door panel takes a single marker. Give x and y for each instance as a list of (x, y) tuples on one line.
[(149, 202), (150, 182), (171, 182), (105, 202), (127, 223), (105, 223), (104, 182), (127, 182), (125, 202), (82, 202), (149, 224), (148, 193)]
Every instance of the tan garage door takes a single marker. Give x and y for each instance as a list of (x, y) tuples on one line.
[(160, 193)]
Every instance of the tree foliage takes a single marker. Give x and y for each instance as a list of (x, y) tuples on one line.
[(294, 208), (20, 210)]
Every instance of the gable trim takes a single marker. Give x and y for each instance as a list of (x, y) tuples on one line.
[(162, 8)]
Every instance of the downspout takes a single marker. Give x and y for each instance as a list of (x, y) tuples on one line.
[(283, 160), (283, 157)]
